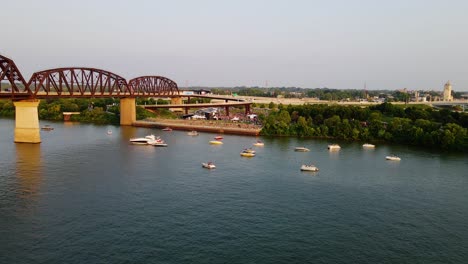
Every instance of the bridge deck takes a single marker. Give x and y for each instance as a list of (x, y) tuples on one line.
[(204, 105)]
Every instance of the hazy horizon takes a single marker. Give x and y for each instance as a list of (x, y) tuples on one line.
[(418, 45)]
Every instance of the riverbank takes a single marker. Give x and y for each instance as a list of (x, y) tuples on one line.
[(213, 126)]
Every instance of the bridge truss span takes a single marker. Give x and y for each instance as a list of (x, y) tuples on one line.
[(153, 86), (78, 82), (11, 73)]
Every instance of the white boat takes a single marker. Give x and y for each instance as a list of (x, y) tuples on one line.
[(301, 149), (309, 168), (192, 133), (208, 165), (393, 157), (259, 143), (143, 141), (334, 147), (109, 132), (216, 142), (158, 142), (367, 145)]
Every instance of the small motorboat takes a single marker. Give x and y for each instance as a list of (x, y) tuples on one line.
[(393, 158), (192, 133), (367, 145), (249, 150), (47, 128), (208, 165), (143, 141), (216, 142), (158, 142), (301, 149), (334, 147), (218, 137), (167, 129), (259, 144), (109, 132), (245, 153), (309, 168)]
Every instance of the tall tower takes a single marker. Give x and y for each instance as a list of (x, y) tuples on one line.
[(448, 92)]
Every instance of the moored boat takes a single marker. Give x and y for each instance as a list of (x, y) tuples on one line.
[(259, 143), (167, 129), (393, 158), (249, 150), (143, 140), (367, 145), (247, 154), (157, 142), (192, 133), (301, 149), (309, 168), (216, 142), (208, 165), (109, 132), (47, 128), (218, 137), (334, 147)]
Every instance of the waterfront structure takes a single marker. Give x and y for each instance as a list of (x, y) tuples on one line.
[(448, 92)]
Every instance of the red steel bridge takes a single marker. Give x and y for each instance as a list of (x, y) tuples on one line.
[(79, 82)]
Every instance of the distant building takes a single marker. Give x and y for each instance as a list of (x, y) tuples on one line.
[(448, 92), (192, 92)]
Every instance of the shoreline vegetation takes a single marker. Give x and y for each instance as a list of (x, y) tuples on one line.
[(415, 125)]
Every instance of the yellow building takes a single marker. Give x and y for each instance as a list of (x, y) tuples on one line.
[(448, 92)]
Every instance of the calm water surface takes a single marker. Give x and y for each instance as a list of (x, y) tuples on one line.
[(82, 196)]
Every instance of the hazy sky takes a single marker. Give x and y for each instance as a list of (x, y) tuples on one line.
[(331, 43)]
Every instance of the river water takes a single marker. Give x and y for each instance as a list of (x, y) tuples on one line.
[(83, 196)]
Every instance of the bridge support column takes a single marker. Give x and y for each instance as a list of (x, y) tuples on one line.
[(27, 122), (176, 100), (227, 111), (127, 111)]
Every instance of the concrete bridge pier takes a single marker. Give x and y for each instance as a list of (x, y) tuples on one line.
[(177, 100), (127, 111), (27, 122)]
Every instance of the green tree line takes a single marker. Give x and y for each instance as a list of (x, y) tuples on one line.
[(417, 126), (97, 111)]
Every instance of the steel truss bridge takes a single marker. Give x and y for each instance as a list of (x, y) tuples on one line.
[(80, 82)]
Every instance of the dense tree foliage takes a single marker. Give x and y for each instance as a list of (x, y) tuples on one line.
[(420, 126), (328, 93), (98, 111)]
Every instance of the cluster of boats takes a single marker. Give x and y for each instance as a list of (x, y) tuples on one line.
[(149, 140), (334, 147), (248, 152)]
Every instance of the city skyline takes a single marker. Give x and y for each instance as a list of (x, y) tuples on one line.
[(307, 44)]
